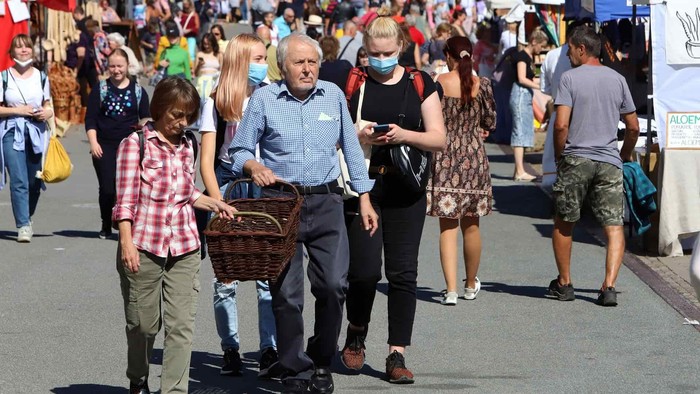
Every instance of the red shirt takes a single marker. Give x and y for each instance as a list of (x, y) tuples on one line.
[(157, 194), (416, 36)]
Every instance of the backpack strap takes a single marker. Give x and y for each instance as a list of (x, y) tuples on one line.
[(193, 141), (44, 77), (188, 134), (103, 90), (418, 83), (138, 94), (220, 134), (142, 143), (356, 78), (4, 85)]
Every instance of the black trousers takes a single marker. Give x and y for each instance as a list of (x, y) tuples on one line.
[(87, 80), (322, 232), (401, 219), (106, 171)]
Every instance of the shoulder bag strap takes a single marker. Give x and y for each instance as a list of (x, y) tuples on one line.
[(17, 85), (345, 47), (360, 100)]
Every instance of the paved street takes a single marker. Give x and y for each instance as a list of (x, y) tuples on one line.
[(62, 323)]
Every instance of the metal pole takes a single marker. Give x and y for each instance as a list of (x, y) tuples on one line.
[(650, 99), (634, 36)]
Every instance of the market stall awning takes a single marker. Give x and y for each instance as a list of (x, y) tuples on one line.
[(601, 10), (502, 4), (60, 5)]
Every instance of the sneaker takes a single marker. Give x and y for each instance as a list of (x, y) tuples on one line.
[(353, 354), (450, 298), (396, 370), (105, 233), (268, 363), (139, 388), (25, 233), (563, 293), (469, 293), (232, 363), (608, 297)]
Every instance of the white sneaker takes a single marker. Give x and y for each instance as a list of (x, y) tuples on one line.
[(24, 234), (469, 293), (450, 298)]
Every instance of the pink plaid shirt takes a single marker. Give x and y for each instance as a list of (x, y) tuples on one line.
[(157, 196)]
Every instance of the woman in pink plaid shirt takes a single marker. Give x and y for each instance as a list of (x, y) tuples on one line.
[(158, 254)]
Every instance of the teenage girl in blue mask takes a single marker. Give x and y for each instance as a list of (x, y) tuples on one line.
[(243, 69), (388, 92)]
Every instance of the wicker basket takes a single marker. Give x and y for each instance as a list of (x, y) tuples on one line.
[(259, 245)]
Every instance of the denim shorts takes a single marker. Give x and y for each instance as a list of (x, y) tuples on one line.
[(523, 118), (579, 179)]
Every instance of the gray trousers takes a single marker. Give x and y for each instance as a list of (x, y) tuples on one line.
[(322, 231)]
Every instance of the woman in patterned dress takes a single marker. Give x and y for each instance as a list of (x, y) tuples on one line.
[(459, 192), (113, 108)]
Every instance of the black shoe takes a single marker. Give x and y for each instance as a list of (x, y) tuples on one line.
[(563, 293), (294, 386), (608, 297), (232, 363), (139, 388), (269, 366), (105, 233), (321, 381)]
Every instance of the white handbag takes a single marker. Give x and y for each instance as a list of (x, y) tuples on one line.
[(344, 178)]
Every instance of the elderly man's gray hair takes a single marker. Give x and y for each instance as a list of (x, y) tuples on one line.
[(410, 20), (283, 47), (116, 37)]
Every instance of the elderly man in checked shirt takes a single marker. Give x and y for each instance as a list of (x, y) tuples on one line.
[(298, 122)]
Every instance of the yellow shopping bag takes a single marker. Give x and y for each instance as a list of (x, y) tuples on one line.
[(57, 165)]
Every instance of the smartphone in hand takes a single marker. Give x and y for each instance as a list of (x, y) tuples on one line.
[(380, 129)]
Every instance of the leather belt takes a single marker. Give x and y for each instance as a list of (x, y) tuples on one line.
[(382, 170), (328, 188)]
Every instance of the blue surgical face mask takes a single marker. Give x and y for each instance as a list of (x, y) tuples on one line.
[(383, 66), (256, 73)]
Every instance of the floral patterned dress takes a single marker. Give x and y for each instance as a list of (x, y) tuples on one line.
[(461, 182)]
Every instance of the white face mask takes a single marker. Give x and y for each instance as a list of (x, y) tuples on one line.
[(23, 63)]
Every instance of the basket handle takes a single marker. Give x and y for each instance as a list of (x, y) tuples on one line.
[(259, 214), (231, 185)]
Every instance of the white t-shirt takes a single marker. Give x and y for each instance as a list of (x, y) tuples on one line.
[(209, 126), (508, 40), (30, 88), (555, 64)]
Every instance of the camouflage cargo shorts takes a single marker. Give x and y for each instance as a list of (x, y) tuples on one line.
[(578, 179)]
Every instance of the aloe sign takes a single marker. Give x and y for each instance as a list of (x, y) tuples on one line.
[(683, 32), (683, 130)]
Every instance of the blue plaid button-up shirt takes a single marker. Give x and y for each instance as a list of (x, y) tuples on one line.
[(298, 138)]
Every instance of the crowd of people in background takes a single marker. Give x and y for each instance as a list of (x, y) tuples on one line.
[(432, 75)]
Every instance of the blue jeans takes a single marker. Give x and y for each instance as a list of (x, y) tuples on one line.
[(225, 306), (24, 185), (523, 118), (226, 315)]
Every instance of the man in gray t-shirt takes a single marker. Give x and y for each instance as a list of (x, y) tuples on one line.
[(599, 95), (590, 100)]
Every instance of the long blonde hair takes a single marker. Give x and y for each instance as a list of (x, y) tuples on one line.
[(232, 88)]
